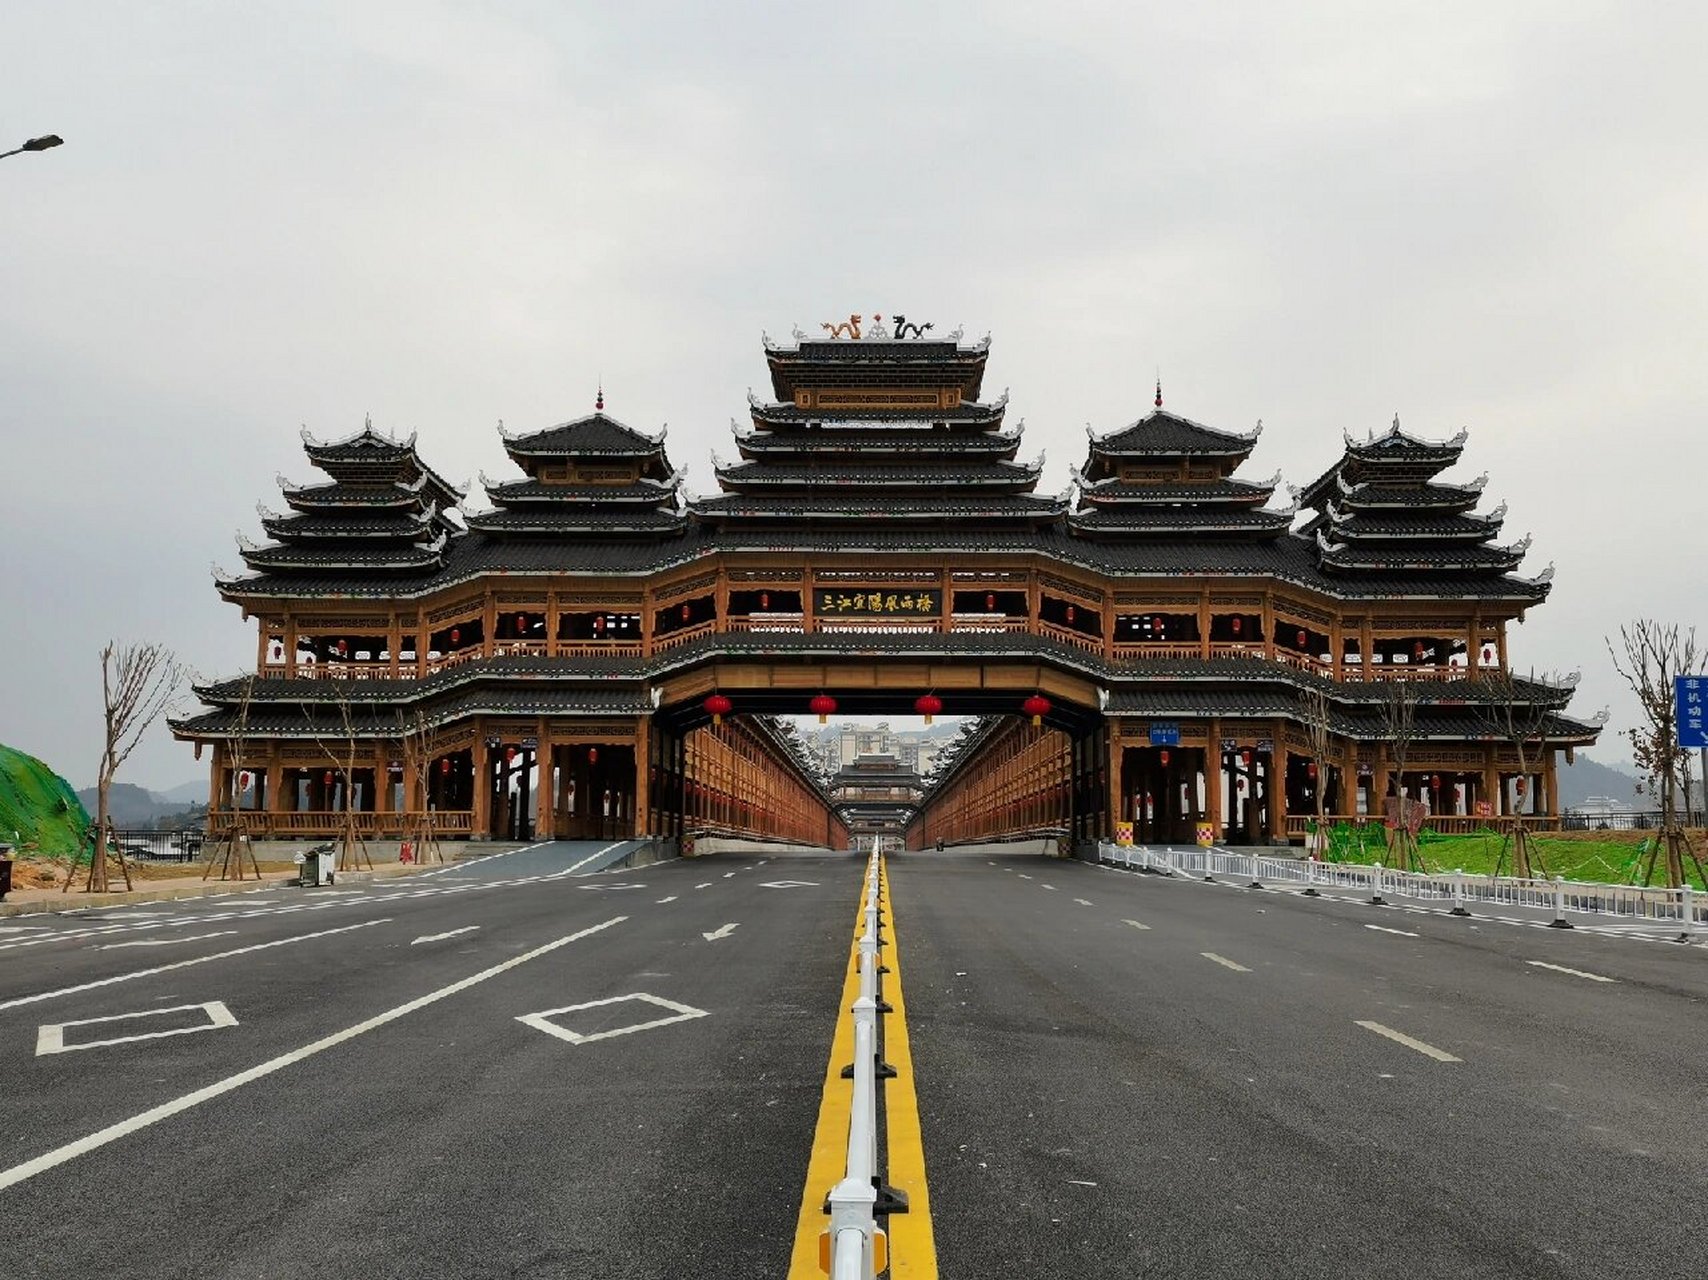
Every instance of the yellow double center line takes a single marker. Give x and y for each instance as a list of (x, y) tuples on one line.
[(912, 1248)]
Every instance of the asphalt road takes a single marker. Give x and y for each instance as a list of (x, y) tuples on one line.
[(1197, 1097), (369, 1104), (1117, 1075)]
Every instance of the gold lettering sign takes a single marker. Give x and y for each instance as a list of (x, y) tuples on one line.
[(873, 603)]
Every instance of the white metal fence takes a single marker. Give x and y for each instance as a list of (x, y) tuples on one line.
[(1564, 898), (858, 1248)]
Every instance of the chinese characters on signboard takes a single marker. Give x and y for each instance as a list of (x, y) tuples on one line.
[(877, 603), (1692, 694)]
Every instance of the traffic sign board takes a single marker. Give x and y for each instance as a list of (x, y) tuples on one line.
[(1692, 693), (1165, 733)]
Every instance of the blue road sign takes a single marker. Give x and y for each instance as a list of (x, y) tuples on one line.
[(1165, 734), (1692, 710)]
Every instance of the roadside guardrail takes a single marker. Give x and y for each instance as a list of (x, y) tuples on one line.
[(1622, 902)]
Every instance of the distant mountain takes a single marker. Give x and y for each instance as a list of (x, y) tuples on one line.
[(186, 793), (130, 805), (1586, 778)]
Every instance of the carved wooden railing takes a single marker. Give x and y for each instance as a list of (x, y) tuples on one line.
[(1446, 824), (1151, 649), (685, 636), (283, 826), (1067, 636)]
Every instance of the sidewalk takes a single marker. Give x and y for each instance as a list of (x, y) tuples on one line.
[(22, 902)]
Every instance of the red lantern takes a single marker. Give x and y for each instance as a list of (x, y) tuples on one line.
[(1037, 706), (990, 601), (823, 706), (343, 647), (326, 778), (1163, 756), (1239, 624), (456, 635), (686, 613), (509, 754), (1071, 612), (1245, 757), (1303, 639), (718, 707), (1311, 770), (1417, 651), (521, 623), (928, 705), (599, 622), (592, 755), (764, 599), (1521, 785), (243, 780), (1488, 653), (445, 766), (1435, 782)]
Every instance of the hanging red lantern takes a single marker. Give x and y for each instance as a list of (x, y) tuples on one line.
[(1238, 624), (1435, 782), (1163, 757), (1037, 706), (718, 706), (592, 755), (1311, 770), (445, 766), (521, 623), (509, 754), (1417, 651), (326, 778), (1302, 639), (598, 622), (243, 780), (1245, 757), (1521, 786), (823, 706), (928, 705), (1488, 653), (686, 613), (456, 634), (1071, 613), (764, 599), (343, 647)]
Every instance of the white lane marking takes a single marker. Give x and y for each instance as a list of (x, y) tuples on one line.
[(1024, 876), (671, 898), (722, 931), (183, 964), (707, 885), (440, 937), (21, 928), (1224, 962), (1576, 973), (610, 887), (166, 942), (1136, 924), (788, 884), (50, 1037), (729, 875), (1399, 1037), (1050, 887), (113, 1132), (1382, 928), (1084, 902), (1080, 1182), (539, 1021)]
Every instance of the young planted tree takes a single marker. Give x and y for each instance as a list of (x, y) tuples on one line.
[(1315, 709), (415, 740), (1515, 717), (228, 822), (338, 743), (1650, 656), (138, 682), (1399, 727)]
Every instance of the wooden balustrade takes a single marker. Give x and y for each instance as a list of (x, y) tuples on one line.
[(263, 825), (676, 639), (1067, 636), (1446, 824), (1150, 649)]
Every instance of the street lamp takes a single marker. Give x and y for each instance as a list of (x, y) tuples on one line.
[(36, 144)]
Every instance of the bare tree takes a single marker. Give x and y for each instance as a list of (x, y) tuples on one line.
[(1650, 657), (1399, 726), (1315, 710), (415, 739), (1514, 716), (340, 749), (229, 825), (138, 683)]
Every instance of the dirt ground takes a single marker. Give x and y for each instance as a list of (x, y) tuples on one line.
[(30, 872)]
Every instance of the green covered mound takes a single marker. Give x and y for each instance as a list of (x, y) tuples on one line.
[(39, 805)]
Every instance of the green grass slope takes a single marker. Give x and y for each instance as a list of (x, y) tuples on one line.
[(39, 805)]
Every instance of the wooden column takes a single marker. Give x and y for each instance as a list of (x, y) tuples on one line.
[(1277, 796), (290, 645), (393, 641), (482, 797), (1491, 782), (1473, 647), (1204, 617), (945, 614), (1550, 783), (554, 614), (643, 776), (489, 625), (1269, 626), (1500, 646), (545, 827), (1337, 647), (720, 601), (421, 643), (274, 785), (1214, 778), (1117, 757), (1366, 646)]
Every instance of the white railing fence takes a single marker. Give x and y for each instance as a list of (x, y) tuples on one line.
[(1565, 898), (857, 1246)]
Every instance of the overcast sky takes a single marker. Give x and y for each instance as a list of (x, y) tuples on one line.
[(267, 215)]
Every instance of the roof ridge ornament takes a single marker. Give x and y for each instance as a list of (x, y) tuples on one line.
[(878, 332), (1159, 390), (1255, 431), (1498, 512), (1273, 480), (956, 333), (797, 334), (902, 326), (984, 342), (262, 511), (1464, 435), (1476, 486), (849, 328)]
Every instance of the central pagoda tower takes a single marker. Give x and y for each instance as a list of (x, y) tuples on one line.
[(874, 427)]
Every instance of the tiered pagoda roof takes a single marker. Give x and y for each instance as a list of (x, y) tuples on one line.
[(589, 476), (383, 513), (875, 427), (1381, 510), (1166, 475)]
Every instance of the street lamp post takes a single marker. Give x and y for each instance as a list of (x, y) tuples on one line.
[(36, 144)]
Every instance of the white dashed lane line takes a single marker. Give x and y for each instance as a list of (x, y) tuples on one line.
[(1399, 1037), (1576, 973), (1224, 962), (1382, 928)]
